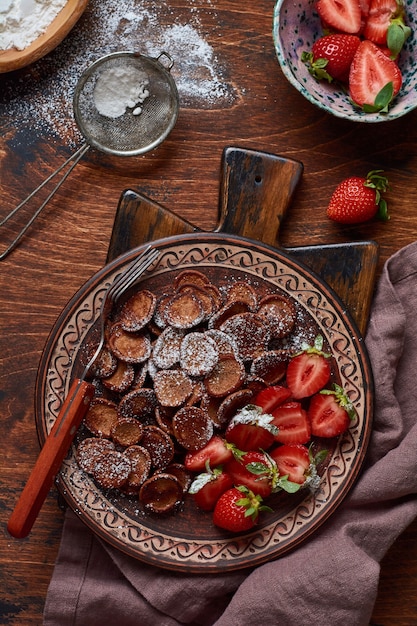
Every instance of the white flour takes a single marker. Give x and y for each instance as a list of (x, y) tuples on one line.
[(40, 102), (118, 89), (22, 21)]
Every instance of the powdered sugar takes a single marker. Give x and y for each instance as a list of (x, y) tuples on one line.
[(43, 100), (118, 89), (23, 21)]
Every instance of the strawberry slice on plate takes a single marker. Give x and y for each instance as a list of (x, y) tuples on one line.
[(308, 371), (292, 461), (292, 422), (374, 79), (255, 471), (216, 452), (208, 487), (251, 429), (340, 15), (270, 397), (330, 413)]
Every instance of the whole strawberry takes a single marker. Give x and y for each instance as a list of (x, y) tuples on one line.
[(331, 57), (358, 199), (238, 509)]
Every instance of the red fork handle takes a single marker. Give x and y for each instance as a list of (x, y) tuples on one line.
[(50, 458)]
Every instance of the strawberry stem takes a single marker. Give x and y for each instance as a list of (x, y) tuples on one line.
[(375, 180)]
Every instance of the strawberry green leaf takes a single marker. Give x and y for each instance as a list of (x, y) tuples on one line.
[(397, 34), (382, 100), (287, 485), (257, 468), (316, 68)]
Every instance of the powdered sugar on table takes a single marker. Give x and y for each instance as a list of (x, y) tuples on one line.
[(43, 101)]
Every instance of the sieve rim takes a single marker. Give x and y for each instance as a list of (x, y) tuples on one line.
[(158, 67)]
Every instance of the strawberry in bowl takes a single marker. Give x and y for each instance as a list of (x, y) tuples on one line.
[(354, 59)]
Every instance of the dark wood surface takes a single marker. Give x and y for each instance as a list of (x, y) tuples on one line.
[(257, 110)]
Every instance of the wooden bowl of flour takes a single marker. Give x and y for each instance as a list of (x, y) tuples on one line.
[(13, 59)]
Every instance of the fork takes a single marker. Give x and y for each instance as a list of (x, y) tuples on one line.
[(72, 412)]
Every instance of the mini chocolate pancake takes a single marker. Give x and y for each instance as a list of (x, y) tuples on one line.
[(198, 354), (190, 277), (250, 333), (159, 445), (90, 450), (203, 296), (128, 346), (161, 493), (184, 311), (166, 350), (227, 311), (280, 314), (179, 471), (224, 342), (141, 463), (241, 291), (172, 387), (137, 311), (192, 427), (112, 470), (231, 405), (271, 366), (226, 377), (121, 379), (104, 365), (101, 417), (127, 431), (139, 403)]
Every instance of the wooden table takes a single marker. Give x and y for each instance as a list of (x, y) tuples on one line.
[(248, 104)]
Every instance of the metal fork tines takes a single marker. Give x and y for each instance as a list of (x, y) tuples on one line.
[(119, 286)]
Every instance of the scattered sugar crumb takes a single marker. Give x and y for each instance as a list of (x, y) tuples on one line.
[(41, 99)]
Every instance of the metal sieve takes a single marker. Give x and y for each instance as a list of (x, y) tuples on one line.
[(137, 127)]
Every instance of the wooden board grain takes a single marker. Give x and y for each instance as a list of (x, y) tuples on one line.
[(256, 189)]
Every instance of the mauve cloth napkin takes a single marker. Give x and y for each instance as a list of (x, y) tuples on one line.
[(330, 579)]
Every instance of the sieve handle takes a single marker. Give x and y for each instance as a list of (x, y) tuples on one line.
[(73, 160)]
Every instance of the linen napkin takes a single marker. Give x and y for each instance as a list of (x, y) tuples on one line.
[(331, 578)]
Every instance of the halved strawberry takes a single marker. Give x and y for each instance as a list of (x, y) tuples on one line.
[(308, 371), (330, 413), (208, 487), (251, 429), (385, 25), (340, 15), (374, 79), (292, 423), (254, 470), (216, 452), (270, 397), (292, 461), (378, 20)]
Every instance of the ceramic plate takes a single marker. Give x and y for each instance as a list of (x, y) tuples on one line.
[(187, 539)]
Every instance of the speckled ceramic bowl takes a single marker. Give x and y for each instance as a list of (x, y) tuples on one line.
[(297, 26)]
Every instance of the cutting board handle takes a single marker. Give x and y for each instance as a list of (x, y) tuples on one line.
[(256, 189)]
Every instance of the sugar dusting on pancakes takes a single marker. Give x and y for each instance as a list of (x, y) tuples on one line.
[(41, 98)]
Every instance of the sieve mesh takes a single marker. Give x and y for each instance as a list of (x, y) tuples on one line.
[(128, 134)]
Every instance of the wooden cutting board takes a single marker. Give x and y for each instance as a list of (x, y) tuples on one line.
[(256, 189)]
